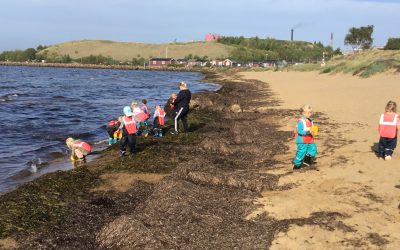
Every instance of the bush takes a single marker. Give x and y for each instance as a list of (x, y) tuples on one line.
[(393, 44), (99, 59)]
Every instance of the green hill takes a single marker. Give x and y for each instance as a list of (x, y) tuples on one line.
[(124, 51)]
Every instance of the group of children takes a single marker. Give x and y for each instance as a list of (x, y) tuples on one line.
[(306, 131), (134, 122)]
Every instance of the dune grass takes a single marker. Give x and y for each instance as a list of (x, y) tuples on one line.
[(364, 64), (125, 51)]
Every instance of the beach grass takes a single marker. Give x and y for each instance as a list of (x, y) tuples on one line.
[(364, 64)]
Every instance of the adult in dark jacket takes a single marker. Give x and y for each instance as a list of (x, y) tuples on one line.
[(181, 106)]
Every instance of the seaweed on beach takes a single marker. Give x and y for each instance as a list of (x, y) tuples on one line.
[(214, 177), (42, 201)]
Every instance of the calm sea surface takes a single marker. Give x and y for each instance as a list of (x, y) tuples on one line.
[(41, 107)]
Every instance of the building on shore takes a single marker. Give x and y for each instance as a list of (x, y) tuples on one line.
[(161, 62)]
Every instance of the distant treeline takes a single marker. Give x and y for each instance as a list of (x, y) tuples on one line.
[(257, 49), (37, 55)]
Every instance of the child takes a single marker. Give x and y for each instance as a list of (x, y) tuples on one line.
[(112, 130), (128, 127), (138, 112), (169, 106), (79, 149), (306, 148), (158, 122), (388, 131), (140, 117), (145, 109)]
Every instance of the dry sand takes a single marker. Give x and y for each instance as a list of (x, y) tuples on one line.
[(351, 180)]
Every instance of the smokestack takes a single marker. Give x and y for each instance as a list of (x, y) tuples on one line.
[(291, 34)]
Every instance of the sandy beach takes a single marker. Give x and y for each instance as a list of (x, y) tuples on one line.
[(350, 179)]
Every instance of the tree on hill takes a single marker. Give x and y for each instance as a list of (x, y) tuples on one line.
[(393, 44), (360, 38)]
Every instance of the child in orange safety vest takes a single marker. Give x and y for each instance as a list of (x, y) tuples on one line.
[(128, 127), (388, 127), (79, 149), (158, 123), (113, 131), (145, 109), (306, 148)]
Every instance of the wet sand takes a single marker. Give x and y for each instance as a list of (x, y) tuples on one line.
[(350, 179)]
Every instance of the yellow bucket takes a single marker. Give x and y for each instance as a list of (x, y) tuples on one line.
[(314, 130)]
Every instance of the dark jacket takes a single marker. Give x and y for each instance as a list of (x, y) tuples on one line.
[(183, 99)]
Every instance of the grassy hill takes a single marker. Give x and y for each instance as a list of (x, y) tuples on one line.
[(363, 64), (124, 51)]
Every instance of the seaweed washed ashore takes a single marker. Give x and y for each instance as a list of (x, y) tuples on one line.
[(189, 191)]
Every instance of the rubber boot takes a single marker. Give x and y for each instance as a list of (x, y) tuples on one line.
[(110, 141), (115, 140), (308, 160), (160, 132)]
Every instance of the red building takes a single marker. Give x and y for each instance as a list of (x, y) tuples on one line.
[(161, 62), (211, 37)]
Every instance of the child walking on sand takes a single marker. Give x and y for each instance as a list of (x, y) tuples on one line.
[(388, 131), (306, 148)]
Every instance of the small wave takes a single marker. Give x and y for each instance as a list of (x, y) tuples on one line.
[(100, 142), (56, 155), (8, 97), (84, 135), (59, 97), (8, 87), (32, 167)]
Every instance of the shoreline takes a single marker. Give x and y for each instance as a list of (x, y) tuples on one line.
[(228, 183), (205, 163), (97, 66), (27, 170)]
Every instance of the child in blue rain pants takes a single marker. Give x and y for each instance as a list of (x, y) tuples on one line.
[(306, 148)]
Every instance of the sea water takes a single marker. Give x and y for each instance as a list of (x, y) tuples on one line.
[(41, 107)]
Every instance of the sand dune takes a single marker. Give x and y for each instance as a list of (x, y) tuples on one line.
[(351, 180)]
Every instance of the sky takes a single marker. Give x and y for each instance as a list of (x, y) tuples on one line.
[(28, 23)]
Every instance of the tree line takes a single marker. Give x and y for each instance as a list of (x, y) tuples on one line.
[(259, 49), (37, 55)]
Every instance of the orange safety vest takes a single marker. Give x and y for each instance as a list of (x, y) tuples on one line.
[(130, 124), (161, 116), (146, 111), (84, 145), (142, 116), (388, 125), (307, 124)]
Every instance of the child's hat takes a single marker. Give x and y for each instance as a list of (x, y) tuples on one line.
[(128, 111)]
